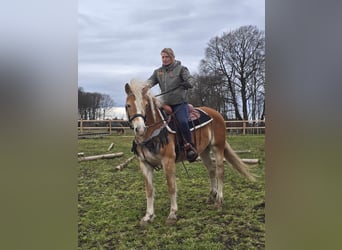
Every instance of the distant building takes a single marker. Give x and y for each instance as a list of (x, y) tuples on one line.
[(115, 113)]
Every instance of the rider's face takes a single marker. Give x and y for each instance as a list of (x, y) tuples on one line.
[(166, 59)]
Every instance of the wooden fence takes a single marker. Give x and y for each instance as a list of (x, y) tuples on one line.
[(108, 127), (245, 127), (102, 127)]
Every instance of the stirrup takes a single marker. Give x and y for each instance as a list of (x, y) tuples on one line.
[(191, 153)]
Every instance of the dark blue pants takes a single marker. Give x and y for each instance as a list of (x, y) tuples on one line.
[(182, 115)]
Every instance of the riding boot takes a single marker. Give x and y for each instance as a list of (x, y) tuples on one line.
[(191, 153)]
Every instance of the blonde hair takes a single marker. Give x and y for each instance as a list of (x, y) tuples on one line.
[(170, 52)]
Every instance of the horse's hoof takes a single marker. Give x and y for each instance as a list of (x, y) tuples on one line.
[(218, 206), (146, 220), (171, 220), (212, 198), (144, 223)]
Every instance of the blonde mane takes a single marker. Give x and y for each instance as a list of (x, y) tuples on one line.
[(137, 87)]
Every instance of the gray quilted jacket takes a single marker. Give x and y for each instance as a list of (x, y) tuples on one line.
[(174, 80)]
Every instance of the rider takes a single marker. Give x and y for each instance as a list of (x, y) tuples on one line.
[(174, 80)]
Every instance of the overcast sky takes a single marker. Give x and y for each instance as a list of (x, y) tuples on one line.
[(121, 40)]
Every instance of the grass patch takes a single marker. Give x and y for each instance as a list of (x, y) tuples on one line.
[(111, 203)]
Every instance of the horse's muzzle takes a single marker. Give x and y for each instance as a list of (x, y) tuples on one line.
[(140, 130)]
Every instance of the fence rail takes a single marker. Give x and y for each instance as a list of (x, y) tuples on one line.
[(245, 127), (93, 127)]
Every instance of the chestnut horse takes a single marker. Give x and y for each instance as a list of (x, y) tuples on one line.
[(155, 147)]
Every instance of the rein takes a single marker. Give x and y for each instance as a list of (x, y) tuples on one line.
[(162, 119), (166, 92)]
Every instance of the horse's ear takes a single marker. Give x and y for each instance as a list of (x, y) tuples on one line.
[(128, 89)]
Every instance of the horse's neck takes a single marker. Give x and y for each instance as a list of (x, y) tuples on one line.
[(153, 122)]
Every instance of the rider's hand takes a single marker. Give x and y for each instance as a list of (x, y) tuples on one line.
[(186, 85)]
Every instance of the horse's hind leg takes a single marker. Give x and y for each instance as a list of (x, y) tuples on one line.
[(219, 157), (205, 156), (149, 189)]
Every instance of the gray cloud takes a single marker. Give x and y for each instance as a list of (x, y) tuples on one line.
[(121, 40)]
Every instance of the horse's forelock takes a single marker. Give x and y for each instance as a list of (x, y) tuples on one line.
[(137, 87)]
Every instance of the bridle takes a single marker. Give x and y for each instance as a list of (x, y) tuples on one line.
[(131, 118)]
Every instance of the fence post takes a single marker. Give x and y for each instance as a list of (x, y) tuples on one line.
[(81, 125), (110, 126), (244, 127)]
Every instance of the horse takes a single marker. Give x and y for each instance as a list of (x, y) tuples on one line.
[(155, 146)]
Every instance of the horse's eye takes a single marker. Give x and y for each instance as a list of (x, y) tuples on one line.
[(128, 106)]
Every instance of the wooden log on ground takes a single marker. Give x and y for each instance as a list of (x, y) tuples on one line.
[(242, 151), (125, 163), (103, 156), (250, 161), (110, 146), (247, 161)]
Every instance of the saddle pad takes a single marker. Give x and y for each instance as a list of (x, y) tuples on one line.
[(203, 120)]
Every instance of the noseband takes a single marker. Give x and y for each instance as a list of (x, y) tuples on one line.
[(130, 119)]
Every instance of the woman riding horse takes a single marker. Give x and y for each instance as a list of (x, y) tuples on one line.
[(155, 147), (174, 80)]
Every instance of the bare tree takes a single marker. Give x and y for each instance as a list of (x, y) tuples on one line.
[(207, 92), (106, 102), (237, 58), (83, 104), (90, 104)]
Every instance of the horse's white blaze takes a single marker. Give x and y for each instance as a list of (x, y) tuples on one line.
[(138, 122), (139, 126)]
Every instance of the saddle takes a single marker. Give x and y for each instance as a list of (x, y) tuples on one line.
[(197, 117)]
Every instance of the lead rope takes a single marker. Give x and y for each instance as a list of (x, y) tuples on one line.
[(177, 141), (186, 170)]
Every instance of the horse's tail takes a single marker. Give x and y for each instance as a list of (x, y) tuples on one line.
[(237, 163)]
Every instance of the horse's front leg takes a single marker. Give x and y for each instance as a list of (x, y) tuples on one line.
[(149, 189), (170, 173)]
